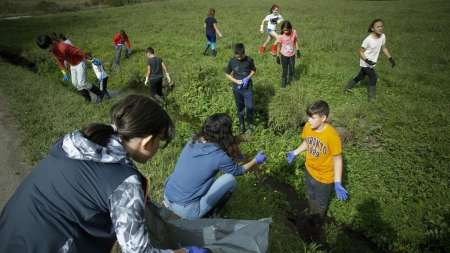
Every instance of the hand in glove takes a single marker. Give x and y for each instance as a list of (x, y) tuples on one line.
[(340, 191), (66, 76), (100, 79), (146, 81), (261, 29), (129, 50), (239, 86), (298, 53), (290, 157), (260, 158), (116, 47), (245, 82), (168, 77), (278, 60), (96, 63), (392, 62), (195, 249), (370, 62)]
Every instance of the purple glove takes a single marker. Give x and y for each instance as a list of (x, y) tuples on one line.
[(241, 156), (260, 158), (245, 82), (195, 249), (340, 191), (239, 86), (290, 157)]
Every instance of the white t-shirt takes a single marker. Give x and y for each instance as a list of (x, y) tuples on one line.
[(99, 71), (373, 48), (272, 21)]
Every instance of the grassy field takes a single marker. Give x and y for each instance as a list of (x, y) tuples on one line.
[(396, 152)]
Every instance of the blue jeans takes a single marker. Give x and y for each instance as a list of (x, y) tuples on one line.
[(317, 191), (223, 185)]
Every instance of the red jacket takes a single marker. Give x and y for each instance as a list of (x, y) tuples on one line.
[(119, 39), (67, 52)]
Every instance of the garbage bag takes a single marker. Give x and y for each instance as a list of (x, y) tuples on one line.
[(167, 230)]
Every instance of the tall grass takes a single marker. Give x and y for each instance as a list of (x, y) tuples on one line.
[(396, 151)]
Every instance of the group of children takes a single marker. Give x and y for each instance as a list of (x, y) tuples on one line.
[(322, 144)]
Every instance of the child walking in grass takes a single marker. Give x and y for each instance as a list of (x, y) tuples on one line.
[(155, 66), (272, 20), (287, 46), (121, 43), (368, 53), (323, 160), (211, 29), (243, 69)]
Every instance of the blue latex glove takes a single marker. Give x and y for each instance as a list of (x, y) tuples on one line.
[(290, 157), (239, 86), (245, 82), (100, 79), (195, 249), (66, 77), (96, 63), (129, 50), (116, 47), (260, 158), (240, 156), (340, 191)]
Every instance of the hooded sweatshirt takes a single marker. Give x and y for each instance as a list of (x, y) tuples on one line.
[(80, 198)]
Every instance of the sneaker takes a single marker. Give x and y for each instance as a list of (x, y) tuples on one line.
[(107, 96)]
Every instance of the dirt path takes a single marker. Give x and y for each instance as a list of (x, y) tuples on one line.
[(13, 168)]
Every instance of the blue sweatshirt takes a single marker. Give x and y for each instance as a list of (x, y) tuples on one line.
[(195, 171)]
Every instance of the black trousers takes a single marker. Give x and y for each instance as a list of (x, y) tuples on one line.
[(370, 72)]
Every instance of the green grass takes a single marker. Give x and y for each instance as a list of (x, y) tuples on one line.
[(396, 157)]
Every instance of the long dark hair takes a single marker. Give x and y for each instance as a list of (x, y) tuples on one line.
[(218, 129), (285, 24), (133, 116)]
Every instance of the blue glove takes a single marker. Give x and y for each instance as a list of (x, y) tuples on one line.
[(340, 191), (129, 50), (290, 157), (66, 77), (116, 47), (260, 158), (100, 79), (240, 156), (239, 86), (96, 63), (195, 249), (245, 82)]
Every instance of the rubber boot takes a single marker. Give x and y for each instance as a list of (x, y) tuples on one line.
[(98, 93), (85, 94), (160, 99), (349, 85), (107, 96), (283, 82), (241, 125), (371, 93), (213, 53), (291, 79), (216, 209), (117, 63), (262, 49), (249, 124), (206, 49), (273, 49), (318, 216)]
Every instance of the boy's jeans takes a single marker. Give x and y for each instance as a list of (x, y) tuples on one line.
[(196, 210)]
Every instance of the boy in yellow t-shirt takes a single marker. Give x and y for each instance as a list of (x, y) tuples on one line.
[(323, 160)]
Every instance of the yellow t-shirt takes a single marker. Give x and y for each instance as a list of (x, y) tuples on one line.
[(321, 147)]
